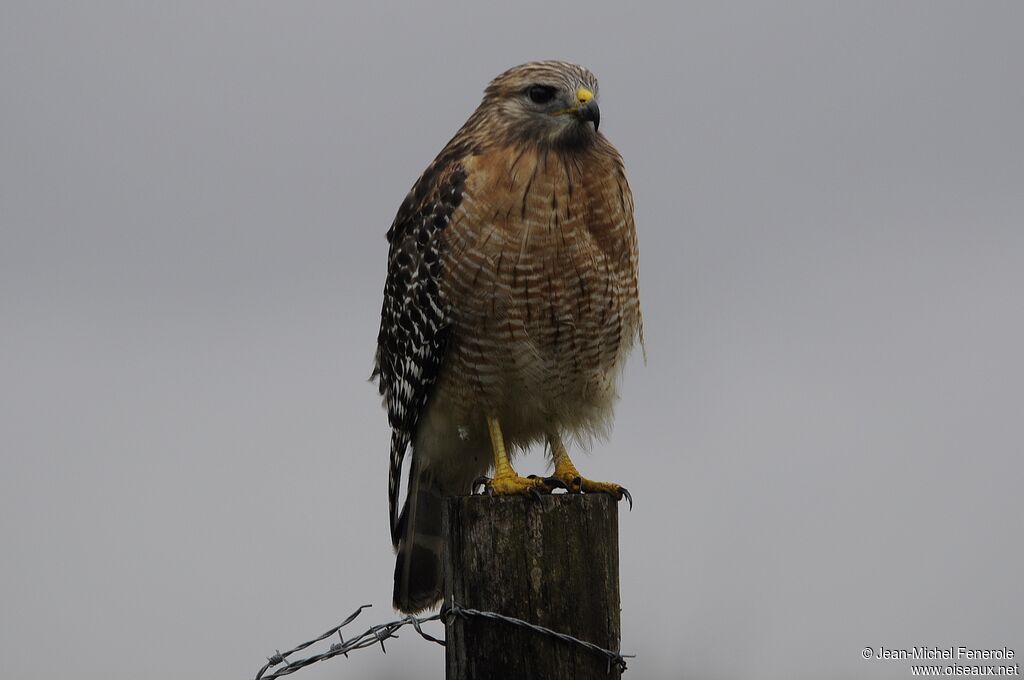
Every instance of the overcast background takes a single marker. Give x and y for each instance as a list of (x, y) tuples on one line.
[(825, 446)]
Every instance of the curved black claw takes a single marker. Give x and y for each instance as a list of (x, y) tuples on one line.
[(482, 481), (551, 483), (556, 483), (533, 491), (629, 497)]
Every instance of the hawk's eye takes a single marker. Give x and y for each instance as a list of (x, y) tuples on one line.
[(541, 94)]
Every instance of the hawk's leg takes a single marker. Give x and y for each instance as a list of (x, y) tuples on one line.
[(567, 473), (506, 481)]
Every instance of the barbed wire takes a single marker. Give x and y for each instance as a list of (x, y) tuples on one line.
[(371, 637), (612, 656), (375, 635)]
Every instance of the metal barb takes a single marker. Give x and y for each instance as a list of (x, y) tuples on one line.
[(612, 656)]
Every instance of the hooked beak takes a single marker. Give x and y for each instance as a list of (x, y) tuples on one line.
[(591, 112), (588, 109)]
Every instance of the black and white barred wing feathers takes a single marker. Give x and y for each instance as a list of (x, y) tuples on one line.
[(414, 325)]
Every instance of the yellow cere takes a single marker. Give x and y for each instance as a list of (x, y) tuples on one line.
[(584, 95)]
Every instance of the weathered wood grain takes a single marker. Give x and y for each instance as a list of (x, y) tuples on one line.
[(553, 562)]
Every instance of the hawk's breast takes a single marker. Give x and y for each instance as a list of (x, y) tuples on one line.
[(540, 275)]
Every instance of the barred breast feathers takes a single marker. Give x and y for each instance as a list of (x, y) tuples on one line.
[(541, 265)]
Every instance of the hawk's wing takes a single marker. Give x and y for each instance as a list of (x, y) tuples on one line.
[(414, 324)]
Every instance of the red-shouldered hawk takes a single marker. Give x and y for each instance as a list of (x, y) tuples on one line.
[(510, 304)]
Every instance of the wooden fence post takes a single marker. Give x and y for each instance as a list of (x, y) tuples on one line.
[(553, 562)]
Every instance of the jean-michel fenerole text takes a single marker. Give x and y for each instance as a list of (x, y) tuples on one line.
[(924, 652)]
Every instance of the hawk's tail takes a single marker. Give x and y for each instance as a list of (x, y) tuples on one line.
[(419, 583)]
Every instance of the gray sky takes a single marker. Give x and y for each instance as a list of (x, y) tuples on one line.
[(825, 446)]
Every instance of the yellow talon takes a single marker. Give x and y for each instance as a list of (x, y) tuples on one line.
[(567, 473), (513, 484), (506, 482)]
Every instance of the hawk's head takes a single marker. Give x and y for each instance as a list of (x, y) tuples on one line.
[(548, 102)]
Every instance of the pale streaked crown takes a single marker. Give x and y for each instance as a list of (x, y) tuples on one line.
[(549, 102)]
